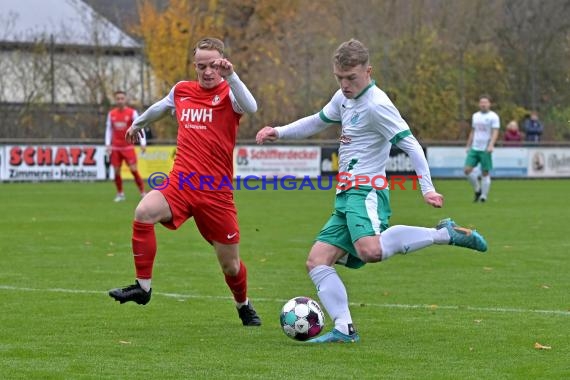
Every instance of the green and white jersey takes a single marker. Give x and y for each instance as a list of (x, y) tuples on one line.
[(370, 125), (483, 124)]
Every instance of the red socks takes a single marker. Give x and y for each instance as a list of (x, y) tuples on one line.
[(144, 252), (144, 248), (238, 284), (119, 182), (138, 180)]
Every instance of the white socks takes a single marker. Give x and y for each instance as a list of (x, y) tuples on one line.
[(406, 239), (332, 294), (144, 283), (485, 186), (474, 181), (240, 304)]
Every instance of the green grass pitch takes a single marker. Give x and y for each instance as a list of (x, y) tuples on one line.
[(442, 313)]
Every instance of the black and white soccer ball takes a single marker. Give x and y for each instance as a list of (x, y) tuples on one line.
[(302, 318)]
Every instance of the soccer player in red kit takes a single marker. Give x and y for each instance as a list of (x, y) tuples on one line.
[(208, 112), (119, 119)]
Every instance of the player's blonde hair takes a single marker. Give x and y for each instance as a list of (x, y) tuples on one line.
[(350, 54), (210, 43)]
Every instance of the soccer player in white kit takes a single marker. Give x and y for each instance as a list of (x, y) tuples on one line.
[(357, 231), (480, 144)]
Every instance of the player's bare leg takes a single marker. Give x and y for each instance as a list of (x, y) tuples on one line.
[(473, 178), (137, 177), (151, 209), (331, 292), (119, 184), (235, 273)]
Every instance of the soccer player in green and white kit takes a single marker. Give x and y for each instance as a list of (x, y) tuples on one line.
[(357, 232), (480, 144)]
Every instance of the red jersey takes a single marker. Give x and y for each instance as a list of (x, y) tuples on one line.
[(207, 130), (118, 121)]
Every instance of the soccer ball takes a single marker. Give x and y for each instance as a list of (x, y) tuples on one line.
[(302, 318)]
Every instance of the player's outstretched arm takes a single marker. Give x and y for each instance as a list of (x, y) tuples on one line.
[(434, 199), (155, 112), (266, 134), (396, 130), (133, 135), (299, 129), (414, 150)]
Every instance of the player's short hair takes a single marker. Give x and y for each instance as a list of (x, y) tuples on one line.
[(210, 43), (119, 92), (350, 54), (485, 96)]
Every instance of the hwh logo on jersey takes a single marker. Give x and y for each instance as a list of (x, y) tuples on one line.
[(120, 124), (200, 115)]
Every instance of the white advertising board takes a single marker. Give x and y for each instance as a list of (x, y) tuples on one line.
[(448, 162), (269, 161), (549, 162)]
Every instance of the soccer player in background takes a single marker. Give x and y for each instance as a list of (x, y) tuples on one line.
[(357, 232), (119, 120), (480, 144), (208, 112)]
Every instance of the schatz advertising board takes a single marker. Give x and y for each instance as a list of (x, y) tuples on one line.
[(53, 163)]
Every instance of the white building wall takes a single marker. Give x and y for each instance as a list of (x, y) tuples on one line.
[(78, 78)]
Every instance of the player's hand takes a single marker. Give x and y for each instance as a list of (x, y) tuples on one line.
[(224, 67), (143, 149), (490, 148), (266, 134), (108, 149), (133, 135), (434, 199)]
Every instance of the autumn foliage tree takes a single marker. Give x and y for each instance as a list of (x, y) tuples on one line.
[(434, 57), (253, 32)]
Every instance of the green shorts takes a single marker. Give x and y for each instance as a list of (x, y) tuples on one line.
[(357, 213), (478, 156)]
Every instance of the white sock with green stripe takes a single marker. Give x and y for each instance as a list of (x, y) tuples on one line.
[(406, 239), (332, 294)]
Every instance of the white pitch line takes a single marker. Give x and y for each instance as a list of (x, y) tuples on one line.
[(379, 305)]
